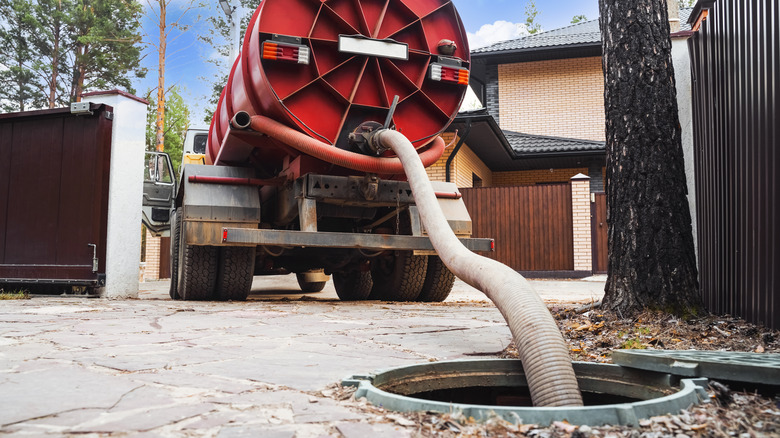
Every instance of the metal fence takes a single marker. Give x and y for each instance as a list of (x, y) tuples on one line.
[(736, 73)]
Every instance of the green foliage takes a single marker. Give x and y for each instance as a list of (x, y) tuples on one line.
[(55, 50), (177, 116), (219, 38), (687, 3), (52, 40), (17, 90), (530, 18), (20, 294), (106, 47), (633, 343), (578, 19)]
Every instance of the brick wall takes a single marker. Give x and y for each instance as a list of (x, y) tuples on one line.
[(437, 171), (528, 177), (581, 223), (463, 166), (152, 259), (562, 98), (491, 91)]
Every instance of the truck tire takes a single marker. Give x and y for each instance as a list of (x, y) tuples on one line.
[(438, 281), (197, 271), (353, 285), (235, 272), (174, 254), (398, 277), (309, 286)]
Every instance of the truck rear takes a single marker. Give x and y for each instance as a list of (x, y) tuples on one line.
[(290, 181)]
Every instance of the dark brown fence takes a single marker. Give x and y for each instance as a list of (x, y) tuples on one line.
[(532, 225), (54, 174), (736, 74)]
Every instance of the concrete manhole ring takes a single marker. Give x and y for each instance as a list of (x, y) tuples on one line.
[(486, 387)]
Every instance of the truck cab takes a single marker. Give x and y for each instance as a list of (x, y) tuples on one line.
[(194, 150), (160, 181)]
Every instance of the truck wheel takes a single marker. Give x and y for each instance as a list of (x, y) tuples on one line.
[(175, 227), (197, 271), (438, 281), (398, 277), (235, 273), (309, 286), (353, 285)]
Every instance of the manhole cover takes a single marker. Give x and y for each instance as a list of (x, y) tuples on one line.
[(725, 365)]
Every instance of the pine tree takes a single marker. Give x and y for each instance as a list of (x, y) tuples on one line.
[(18, 90), (106, 46), (167, 30), (51, 42), (651, 256)]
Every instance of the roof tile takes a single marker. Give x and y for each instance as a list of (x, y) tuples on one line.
[(586, 32)]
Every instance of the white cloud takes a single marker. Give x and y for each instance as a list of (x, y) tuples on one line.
[(492, 33)]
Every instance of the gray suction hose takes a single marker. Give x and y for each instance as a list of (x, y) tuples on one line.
[(544, 353)]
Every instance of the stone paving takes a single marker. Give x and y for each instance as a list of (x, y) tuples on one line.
[(266, 367)]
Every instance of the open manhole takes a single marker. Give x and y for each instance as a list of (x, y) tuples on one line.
[(483, 388)]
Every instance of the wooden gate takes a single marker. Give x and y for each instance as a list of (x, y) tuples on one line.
[(598, 215), (532, 225)]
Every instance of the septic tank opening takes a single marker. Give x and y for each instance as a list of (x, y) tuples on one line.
[(484, 388), (508, 396)]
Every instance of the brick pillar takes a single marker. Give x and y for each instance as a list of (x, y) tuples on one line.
[(152, 268), (581, 222)]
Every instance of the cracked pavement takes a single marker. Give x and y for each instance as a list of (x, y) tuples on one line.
[(265, 367)]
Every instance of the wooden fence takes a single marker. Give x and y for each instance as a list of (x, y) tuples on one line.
[(532, 225)]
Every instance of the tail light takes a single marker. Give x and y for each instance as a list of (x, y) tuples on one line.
[(445, 73), (286, 52)]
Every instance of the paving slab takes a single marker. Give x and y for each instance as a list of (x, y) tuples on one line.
[(265, 367)]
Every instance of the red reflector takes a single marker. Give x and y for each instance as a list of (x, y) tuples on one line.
[(285, 52), (492, 245), (443, 73), (224, 235)]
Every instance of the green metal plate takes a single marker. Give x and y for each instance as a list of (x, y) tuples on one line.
[(725, 365)]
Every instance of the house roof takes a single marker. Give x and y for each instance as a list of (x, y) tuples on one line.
[(507, 150), (586, 33), (524, 145)]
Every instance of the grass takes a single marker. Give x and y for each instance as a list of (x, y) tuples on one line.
[(20, 294)]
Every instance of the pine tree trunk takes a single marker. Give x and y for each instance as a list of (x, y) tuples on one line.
[(55, 58), (651, 256), (160, 122)]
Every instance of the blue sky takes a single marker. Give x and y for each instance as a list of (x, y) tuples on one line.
[(485, 20)]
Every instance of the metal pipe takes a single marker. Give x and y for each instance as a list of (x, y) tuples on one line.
[(544, 353), (455, 151)]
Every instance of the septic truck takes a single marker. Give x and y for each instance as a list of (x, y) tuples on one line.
[(289, 179)]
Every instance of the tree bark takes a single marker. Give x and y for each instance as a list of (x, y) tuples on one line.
[(160, 122), (55, 58), (651, 256)]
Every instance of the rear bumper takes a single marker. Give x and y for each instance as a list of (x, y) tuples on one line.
[(245, 236)]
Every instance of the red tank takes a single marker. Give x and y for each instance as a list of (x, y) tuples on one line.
[(324, 67)]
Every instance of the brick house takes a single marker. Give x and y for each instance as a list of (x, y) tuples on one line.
[(542, 123)]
